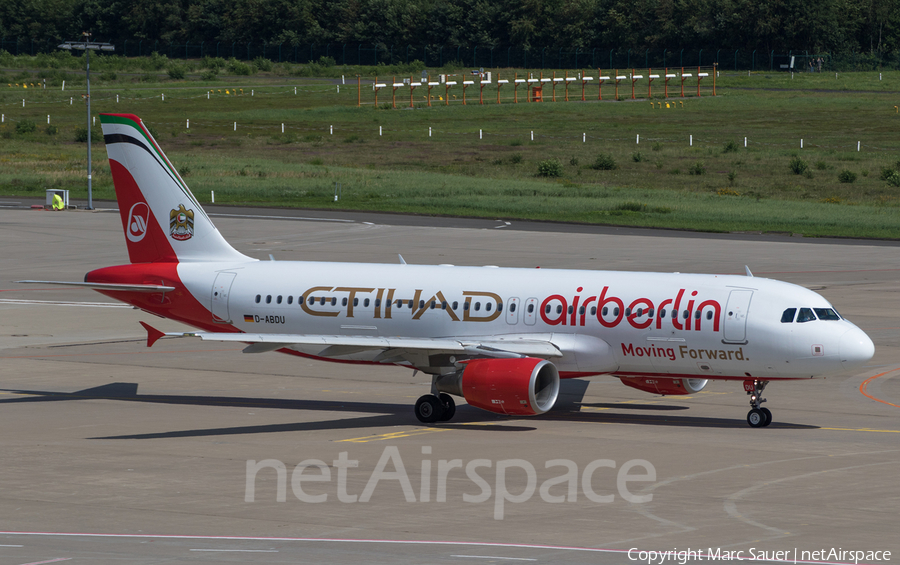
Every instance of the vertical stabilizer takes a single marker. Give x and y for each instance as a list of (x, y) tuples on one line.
[(163, 222)]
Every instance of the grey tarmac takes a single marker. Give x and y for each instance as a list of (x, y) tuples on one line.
[(140, 455)]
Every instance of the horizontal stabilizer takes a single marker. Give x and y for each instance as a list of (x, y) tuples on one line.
[(108, 286)]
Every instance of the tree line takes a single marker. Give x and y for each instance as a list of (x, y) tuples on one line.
[(838, 26)]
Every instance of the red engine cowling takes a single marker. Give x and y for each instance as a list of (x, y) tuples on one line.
[(665, 386), (521, 387)]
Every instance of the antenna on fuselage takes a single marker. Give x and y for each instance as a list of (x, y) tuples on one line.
[(746, 268), (402, 260)]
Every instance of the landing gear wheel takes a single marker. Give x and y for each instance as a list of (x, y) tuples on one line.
[(429, 409), (449, 407), (756, 418)]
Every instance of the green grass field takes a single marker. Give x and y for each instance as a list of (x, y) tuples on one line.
[(598, 172)]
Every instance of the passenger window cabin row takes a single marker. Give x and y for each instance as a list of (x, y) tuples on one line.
[(399, 303), (488, 306)]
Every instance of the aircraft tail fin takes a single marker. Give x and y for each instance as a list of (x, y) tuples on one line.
[(163, 222)]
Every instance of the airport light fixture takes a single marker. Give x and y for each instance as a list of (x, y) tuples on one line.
[(87, 46)]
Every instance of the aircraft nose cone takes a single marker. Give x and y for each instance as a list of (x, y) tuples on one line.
[(855, 348)]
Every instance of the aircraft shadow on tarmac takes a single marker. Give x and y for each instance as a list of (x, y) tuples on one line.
[(568, 408)]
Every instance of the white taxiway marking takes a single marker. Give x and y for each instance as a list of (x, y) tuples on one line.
[(494, 557), (283, 218), (239, 550), (50, 561)]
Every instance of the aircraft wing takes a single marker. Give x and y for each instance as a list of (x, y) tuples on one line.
[(392, 347)]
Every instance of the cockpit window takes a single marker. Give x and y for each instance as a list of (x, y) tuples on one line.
[(805, 315), (788, 316), (826, 314)]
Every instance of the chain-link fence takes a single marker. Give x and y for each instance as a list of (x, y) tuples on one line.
[(488, 57)]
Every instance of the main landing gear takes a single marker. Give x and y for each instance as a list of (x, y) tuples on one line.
[(757, 417), (435, 408)]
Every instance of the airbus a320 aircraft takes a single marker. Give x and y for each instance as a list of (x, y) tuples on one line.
[(500, 338)]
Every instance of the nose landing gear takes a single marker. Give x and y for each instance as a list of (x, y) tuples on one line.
[(757, 417)]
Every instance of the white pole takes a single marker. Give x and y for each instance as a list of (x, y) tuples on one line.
[(331, 130), (94, 121), (252, 92), (858, 143), (429, 131), (207, 95), (70, 101), (801, 143), (338, 89), (295, 90), (342, 80), (187, 124), (638, 140), (379, 131), (235, 126), (117, 98), (2, 118), (282, 127), (691, 142), (48, 122), (479, 134), (64, 86), (583, 137), (745, 142), (212, 196), (532, 135), (23, 102), (879, 76), (163, 96)]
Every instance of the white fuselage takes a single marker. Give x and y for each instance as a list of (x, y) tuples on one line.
[(621, 323)]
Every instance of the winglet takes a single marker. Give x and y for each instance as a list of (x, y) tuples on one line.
[(749, 274), (153, 334)]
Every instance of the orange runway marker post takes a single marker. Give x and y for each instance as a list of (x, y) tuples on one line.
[(600, 78), (668, 76), (395, 86), (358, 92), (516, 83), (683, 78), (650, 78), (465, 84), (584, 81), (412, 87), (699, 78), (447, 86), (715, 72), (634, 79), (500, 82), (377, 87)]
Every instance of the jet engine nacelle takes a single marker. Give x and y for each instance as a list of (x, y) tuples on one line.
[(521, 387), (665, 386)]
